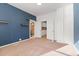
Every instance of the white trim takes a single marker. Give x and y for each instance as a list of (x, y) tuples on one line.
[(14, 43), (30, 27), (9, 44)]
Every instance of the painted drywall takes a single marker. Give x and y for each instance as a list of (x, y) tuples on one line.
[(59, 24), (37, 29), (76, 25), (46, 17), (12, 31), (64, 22), (69, 24)]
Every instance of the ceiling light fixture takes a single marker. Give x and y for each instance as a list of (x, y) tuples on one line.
[(39, 3)]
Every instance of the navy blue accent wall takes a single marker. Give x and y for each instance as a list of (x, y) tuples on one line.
[(76, 25), (12, 31)]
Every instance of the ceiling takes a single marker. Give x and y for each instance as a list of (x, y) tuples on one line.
[(37, 10)]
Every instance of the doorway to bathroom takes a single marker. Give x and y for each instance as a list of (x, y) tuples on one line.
[(44, 29)]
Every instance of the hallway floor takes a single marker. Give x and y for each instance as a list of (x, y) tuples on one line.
[(31, 47)]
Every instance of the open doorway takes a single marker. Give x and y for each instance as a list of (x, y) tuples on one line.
[(31, 28), (44, 29)]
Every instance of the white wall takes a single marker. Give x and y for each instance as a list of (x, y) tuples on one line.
[(68, 24), (59, 25), (37, 28), (63, 26), (50, 26), (49, 18)]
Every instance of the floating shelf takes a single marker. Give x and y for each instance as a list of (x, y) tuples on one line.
[(23, 25), (3, 22)]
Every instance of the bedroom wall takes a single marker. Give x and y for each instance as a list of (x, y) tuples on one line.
[(46, 17), (59, 24), (69, 24), (76, 25), (64, 29), (12, 31)]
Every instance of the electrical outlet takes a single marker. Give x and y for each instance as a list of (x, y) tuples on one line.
[(50, 40), (54, 40), (20, 39)]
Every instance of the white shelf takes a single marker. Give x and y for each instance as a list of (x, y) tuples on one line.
[(3, 22)]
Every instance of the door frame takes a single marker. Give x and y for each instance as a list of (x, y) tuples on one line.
[(30, 28)]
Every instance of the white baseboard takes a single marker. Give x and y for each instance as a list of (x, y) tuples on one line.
[(61, 42), (13, 43)]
